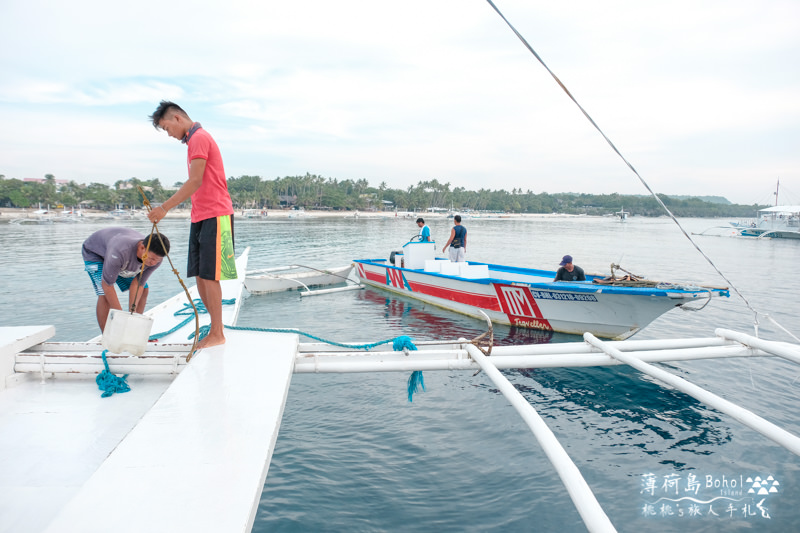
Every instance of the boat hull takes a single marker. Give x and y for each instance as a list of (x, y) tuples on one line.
[(528, 298)]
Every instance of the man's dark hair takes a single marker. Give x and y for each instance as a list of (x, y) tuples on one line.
[(153, 243), (457, 218), (420, 220), (165, 108)]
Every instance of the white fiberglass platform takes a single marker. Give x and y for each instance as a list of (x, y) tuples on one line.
[(185, 453), (54, 435)]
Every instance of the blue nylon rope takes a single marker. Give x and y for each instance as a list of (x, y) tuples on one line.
[(109, 383), (188, 312), (310, 336), (415, 381)]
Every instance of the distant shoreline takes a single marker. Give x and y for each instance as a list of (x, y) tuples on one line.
[(10, 213)]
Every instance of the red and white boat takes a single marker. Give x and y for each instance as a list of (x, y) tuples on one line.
[(528, 298)]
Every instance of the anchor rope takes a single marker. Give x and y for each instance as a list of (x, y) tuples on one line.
[(756, 313), (147, 205)]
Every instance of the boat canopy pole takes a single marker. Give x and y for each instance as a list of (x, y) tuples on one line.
[(582, 496), (748, 418)]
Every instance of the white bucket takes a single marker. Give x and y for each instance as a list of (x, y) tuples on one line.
[(126, 332)]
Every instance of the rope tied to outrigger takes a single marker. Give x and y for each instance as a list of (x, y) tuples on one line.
[(416, 383), (110, 383)]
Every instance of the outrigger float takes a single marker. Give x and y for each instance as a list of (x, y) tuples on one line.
[(298, 277), (523, 297), (188, 449)]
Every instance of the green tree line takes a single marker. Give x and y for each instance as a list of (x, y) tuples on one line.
[(317, 192)]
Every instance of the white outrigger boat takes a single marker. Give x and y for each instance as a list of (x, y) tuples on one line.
[(287, 278), (780, 222), (191, 453), (529, 298)]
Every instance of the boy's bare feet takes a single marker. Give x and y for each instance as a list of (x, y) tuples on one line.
[(211, 340)]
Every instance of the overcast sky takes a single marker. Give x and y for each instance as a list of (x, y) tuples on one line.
[(702, 97)]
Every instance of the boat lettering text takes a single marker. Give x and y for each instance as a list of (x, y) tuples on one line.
[(547, 295), (532, 324)]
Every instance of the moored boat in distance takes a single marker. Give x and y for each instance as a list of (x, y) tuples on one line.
[(254, 214), (529, 298), (780, 221)]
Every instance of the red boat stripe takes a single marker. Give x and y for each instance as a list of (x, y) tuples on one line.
[(482, 301)]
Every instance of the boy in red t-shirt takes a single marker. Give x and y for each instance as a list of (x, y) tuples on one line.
[(211, 250)]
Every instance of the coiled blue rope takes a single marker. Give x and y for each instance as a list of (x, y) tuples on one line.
[(109, 383)]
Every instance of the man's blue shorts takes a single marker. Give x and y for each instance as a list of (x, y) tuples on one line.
[(95, 271)]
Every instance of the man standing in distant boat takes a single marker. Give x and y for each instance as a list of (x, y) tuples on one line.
[(424, 231), (211, 246), (457, 241), (568, 271), (116, 255)]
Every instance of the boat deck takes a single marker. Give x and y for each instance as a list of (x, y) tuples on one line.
[(190, 453)]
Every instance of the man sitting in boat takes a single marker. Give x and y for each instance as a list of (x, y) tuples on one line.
[(568, 271), (118, 255), (457, 241), (424, 231)]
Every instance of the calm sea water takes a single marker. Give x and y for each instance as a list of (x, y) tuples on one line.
[(354, 455)]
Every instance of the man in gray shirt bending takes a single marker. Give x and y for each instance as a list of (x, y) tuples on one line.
[(116, 255)]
